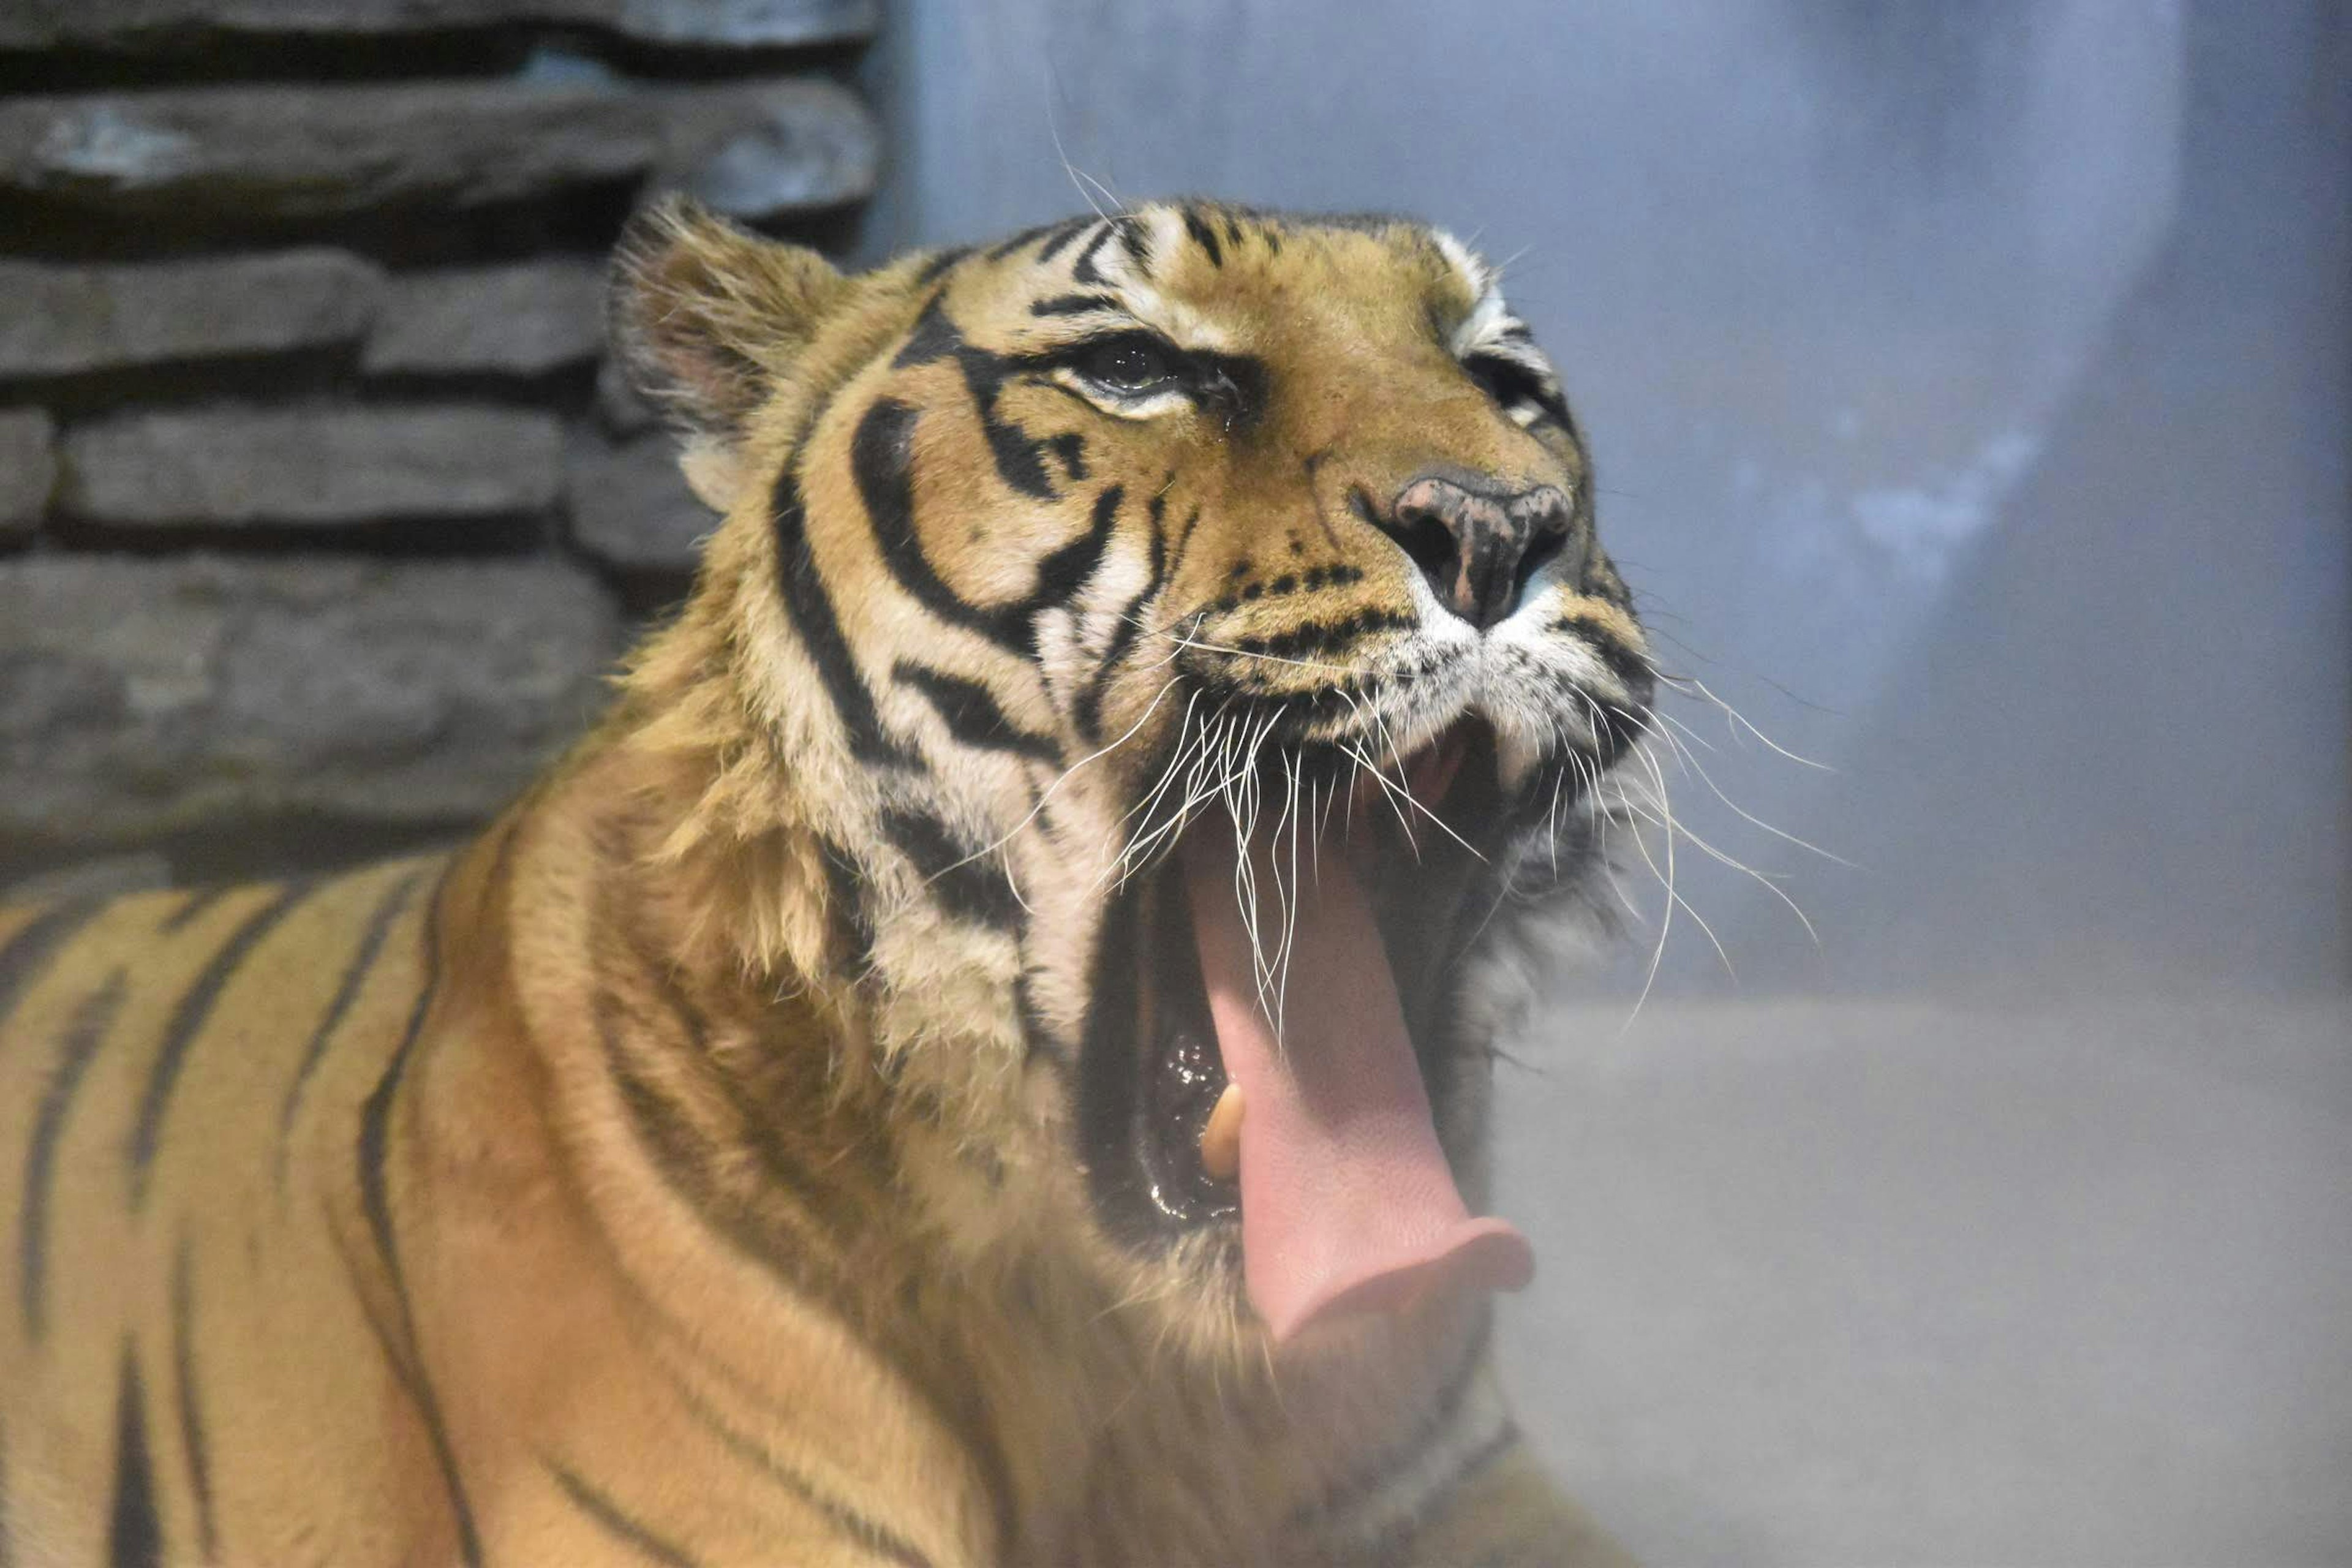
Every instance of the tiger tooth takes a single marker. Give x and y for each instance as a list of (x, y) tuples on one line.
[(1221, 1139)]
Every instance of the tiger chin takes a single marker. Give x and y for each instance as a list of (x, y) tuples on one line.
[(981, 1057)]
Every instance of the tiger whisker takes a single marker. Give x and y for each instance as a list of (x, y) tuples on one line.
[(1290, 923), (1695, 737), (1054, 128), (1396, 791), (1666, 879), (1184, 641), (1740, 722), (1665, 920), (1691, 762), (1176, 757), (1198, 786), (1771, 884)]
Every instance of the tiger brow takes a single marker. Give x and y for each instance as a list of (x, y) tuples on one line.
[(1080, 305)]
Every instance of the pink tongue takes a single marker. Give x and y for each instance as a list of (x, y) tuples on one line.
[(1347, 1203)]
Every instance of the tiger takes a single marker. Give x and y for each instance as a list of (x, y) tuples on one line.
[(982, 1056)]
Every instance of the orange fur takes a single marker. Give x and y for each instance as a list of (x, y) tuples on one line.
[(685, 1169)]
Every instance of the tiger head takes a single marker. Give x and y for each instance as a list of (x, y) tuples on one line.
[(1156, 654)]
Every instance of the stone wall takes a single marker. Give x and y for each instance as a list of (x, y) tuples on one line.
[(320, 522)]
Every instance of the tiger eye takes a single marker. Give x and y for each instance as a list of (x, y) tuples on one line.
[(1129, 365)]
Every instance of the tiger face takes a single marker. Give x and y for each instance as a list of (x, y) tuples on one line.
[(1179, 643)]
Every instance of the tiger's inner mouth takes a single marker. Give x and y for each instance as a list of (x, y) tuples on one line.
[(1181, 1074), (1329, 1160)]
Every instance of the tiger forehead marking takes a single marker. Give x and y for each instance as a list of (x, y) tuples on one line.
[(1155, 681)]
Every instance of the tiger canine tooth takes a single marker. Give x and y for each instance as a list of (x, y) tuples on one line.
[(1221, 1139)]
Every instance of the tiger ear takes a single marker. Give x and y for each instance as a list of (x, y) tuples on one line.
[(707, 321)]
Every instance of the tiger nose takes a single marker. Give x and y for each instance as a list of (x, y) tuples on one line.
[(1478, 547)]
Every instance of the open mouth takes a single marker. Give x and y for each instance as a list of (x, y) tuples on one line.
[(1283, 1077)]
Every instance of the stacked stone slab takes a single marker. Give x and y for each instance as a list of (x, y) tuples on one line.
[(315, 497)]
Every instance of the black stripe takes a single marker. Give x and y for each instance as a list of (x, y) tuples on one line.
[(948, 1393), (1060, 575), (1037, 1036), (1136, 240), (684, 1011), (1627, 666), (846, 895), (85, 1032), (972, 714), (970, 888), (192, 1421), (370, 948), (1107, 1083), (755, 1116), (1075, 304), (1082, 270), (1319, 639), (1087, 711), (1314, 579), (880, 458), (683, 1159), (619, 1525), (941, 263), (1295, 716), (874, 1537), (188, 1022), (1189, 532), (372, 1149), (1019, 457), (932, 337), (673, 1147), (1063, 235), (791, 1248), (23, 955), (811, 606), (1011, 243), (1204, 236), (134, 1536), (197, 903), (1508, 381)]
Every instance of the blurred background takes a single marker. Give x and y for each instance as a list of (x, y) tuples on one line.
[(1969, 390)]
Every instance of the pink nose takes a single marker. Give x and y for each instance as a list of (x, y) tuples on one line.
[(1478, 547)]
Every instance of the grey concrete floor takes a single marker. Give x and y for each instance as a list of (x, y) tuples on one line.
[(1895, 1285)]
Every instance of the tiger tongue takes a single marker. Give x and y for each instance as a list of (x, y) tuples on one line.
[(1347, 1203)]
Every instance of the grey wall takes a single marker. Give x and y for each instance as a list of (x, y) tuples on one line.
[(1966, 384), (320, 522)]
